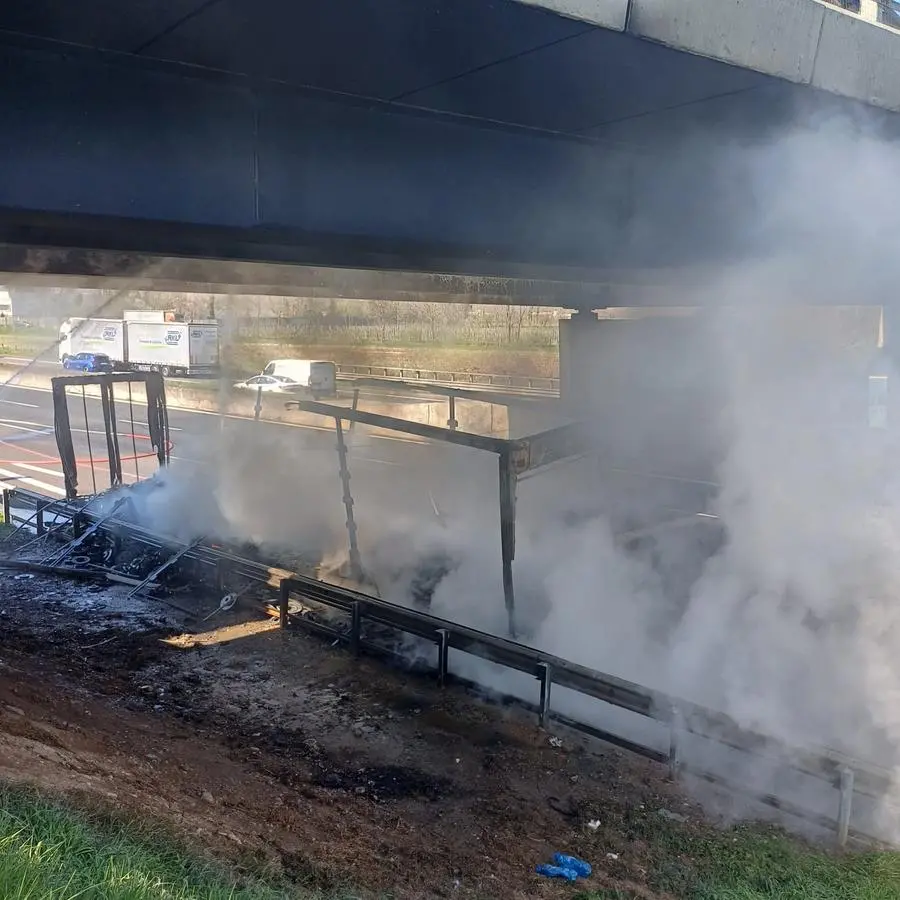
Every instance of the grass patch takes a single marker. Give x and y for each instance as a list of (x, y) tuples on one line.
[(757, 863), (48, 852)]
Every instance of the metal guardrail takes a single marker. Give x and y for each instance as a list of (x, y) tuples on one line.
[(884, 12), (510, 383), (849, 777)]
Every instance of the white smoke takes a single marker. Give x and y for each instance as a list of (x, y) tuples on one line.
[(792, 626)]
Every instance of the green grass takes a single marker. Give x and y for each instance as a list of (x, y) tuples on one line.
[(48, 852), (758, 863)]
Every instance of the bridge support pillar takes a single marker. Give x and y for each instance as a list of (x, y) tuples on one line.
[(578, 337), (647, 385)]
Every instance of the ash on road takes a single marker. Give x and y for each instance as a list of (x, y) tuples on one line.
[(254, 744)]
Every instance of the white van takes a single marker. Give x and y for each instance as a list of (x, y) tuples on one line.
[(6, 309), (319, 376)]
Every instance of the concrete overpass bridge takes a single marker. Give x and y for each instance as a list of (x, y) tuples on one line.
[(548, 140)]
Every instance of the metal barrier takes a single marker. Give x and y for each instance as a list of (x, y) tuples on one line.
[(509, 382), (883, 12), (849, 777)]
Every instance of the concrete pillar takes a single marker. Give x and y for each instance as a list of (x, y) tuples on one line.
[(577, 341), (648, 387)]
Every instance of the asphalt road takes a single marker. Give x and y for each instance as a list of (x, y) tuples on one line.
[(367, 392), (392, 472)]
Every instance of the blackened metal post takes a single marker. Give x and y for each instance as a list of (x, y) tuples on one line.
[(112, 437), (355, 626), (284, 596), (39, 518), (546, 676), (354, 406), (355, 561), (7, 507), (222, 573), (508, 534), (452, 422), (443, 655), (257, 410)]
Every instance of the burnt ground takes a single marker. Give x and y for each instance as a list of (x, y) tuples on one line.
[(280, 750)]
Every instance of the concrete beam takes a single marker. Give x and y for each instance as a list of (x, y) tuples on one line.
[(61, 267), (611, 14), (806, 42)]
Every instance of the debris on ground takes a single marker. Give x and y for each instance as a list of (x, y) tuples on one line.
[(242, 741)]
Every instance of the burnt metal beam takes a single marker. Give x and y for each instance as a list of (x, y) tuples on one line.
[(152, 577), (553, 445), (403, 426), (355, 561), (508, 535)]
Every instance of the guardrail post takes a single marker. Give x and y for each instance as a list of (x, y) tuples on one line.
[(452, 423), (7, 507), (845, 807), (221, 574), (443, 655), (546, 676), (355, 626), (257, 410), (354, 406), (284, 596), (676, 728)]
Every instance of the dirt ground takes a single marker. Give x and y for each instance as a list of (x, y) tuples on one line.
[(280, 750)]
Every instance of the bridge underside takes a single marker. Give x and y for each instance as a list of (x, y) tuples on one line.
[(464, 137)]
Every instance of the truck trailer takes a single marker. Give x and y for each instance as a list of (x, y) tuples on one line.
[(172, 348)]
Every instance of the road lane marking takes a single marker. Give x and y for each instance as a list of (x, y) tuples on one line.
[(38, 469), (176, 411), (15, 477), (20, 403)]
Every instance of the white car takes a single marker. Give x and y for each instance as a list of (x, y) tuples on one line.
[(268, 383)]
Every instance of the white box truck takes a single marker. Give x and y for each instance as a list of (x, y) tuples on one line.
[(149, 315), (172, 348), (93, 336)]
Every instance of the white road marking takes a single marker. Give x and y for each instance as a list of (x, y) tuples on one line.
[(19, 403), (33, 482), (40, 471), (174, 410)]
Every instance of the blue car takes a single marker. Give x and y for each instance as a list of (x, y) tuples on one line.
[(88, 362)]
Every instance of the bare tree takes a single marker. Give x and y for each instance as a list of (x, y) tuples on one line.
[(385, 313), (515, 317)]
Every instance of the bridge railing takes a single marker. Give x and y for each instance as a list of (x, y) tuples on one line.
[(884, 12), (436, 376)]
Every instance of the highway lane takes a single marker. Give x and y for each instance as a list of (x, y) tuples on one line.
[(367, 392), (388, 472)]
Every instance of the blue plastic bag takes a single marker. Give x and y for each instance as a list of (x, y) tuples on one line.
[(581, 868), (557, 872)]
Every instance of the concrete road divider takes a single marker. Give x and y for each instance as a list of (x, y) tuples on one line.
[(481, 418)]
